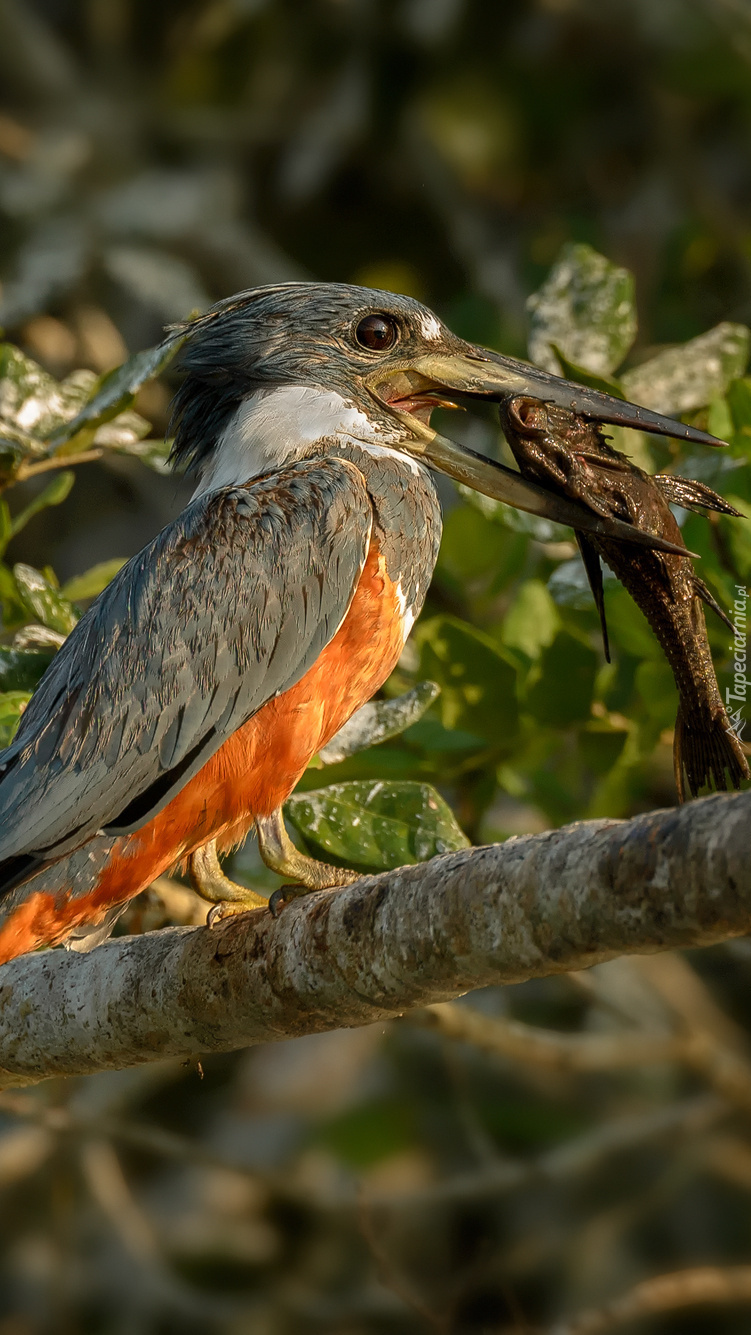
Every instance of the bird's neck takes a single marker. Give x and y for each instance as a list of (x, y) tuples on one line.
[(283, 423)]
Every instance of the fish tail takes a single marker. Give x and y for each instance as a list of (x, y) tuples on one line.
[(707, 751)]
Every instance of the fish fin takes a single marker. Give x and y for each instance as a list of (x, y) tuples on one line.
[(704, 750), (594, 575), (692, 495), (701, 589)]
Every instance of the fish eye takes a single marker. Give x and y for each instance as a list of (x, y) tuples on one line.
[(377, 333)]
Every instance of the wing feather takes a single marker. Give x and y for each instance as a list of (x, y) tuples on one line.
[(227, 607)]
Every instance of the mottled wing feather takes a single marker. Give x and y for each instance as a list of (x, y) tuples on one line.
[(227, 607)]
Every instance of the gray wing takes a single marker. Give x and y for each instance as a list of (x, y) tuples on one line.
[(227, 607)]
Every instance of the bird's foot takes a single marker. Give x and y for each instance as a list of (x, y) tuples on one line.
[(280, 855), (209, 881)]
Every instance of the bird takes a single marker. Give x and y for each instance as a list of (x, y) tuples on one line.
[(184, 707)]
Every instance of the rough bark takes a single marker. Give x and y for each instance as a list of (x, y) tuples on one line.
[(533, 906)]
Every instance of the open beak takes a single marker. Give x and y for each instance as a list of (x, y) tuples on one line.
[(412, 391)]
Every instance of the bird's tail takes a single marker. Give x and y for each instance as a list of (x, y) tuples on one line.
[(61, 903)]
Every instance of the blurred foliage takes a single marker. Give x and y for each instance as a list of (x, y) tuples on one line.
[(154, 158)]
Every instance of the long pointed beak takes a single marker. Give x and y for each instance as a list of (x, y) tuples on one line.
[(504, 484), (488, 375)]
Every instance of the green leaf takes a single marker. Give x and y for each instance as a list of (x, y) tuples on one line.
[(377, 721), (586, 308), (6, 526), (115, 391), (54, 494), (15, 447), (562, 692), (375, 826), (369, 1132), (12, 705), (532, 619), (572, 371), (122, 433), (42, 601), (719, 419), (518, 521), (680, 379), (568, 585), (477, 678), (21, 670), (30, 398), (472, 546), (739, 402), (628, 627), (737, 533), (657, 690), (82, 587), (153, 453)]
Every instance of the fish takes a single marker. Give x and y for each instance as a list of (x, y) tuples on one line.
[(569, 455)]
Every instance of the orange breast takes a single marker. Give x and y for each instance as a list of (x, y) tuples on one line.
[(252, 773)]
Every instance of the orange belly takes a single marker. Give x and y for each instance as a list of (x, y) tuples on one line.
[(252, 773)]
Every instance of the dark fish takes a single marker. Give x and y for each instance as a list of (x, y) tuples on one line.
[(569, 456)]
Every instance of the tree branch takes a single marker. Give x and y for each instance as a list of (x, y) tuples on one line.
[(705, 1286), (533, 906)]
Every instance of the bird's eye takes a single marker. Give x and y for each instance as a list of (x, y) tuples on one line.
[(376, 332)]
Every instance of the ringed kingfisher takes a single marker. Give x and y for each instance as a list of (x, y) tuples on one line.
[(186, 704)]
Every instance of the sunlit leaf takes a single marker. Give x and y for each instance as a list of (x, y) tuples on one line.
[(689, 376), (568, 585), (532, 620), (43, 601), (12, 705), (30, 398), (377, 721), (573, 371), (375, 826), (20, 670), (586, 308), (153, 453), (738, 536), (36, 638), (115, 391), (477, 679), (123, 431), (82, 587)]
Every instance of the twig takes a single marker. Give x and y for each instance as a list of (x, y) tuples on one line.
[(57, 461), (577, 1156), (546, 1047), (725, 1070), (667, 1293), (390, 1276), (106, 1182), (151, 1139)]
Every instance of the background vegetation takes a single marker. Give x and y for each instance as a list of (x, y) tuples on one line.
[(152, 159)]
